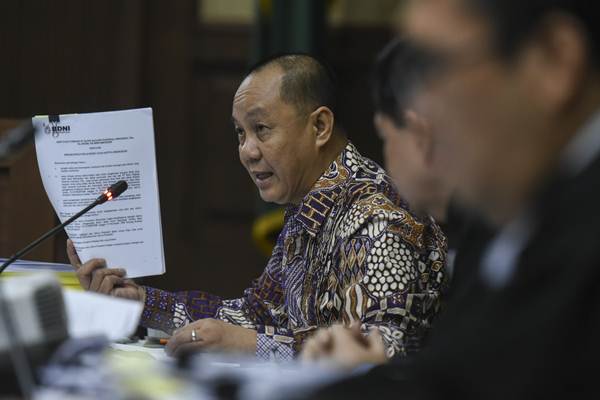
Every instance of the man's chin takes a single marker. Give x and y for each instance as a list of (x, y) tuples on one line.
[(270, 197)]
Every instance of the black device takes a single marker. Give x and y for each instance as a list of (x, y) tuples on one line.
[(16, 138), (47, 300)]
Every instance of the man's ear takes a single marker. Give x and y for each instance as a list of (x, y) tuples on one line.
[(322, 125), (555, 62), (417, 126), (385, 125)]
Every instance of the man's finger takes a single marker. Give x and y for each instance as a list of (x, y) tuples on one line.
[(341, 335), (375, 339), (356, 327), (356, 330), (324, 339), (89, 267), (320, 345), (108, 283), (310, 351), (84, 272), (72, 254), (188, 348), (99, 275), (179, 337)]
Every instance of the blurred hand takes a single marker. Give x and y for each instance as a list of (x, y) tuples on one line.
[(344, 347), (318, 347), (95, 277), (212, 334)]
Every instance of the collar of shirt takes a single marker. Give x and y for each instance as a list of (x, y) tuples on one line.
[(501, 256), (315, 207), (582, 149)]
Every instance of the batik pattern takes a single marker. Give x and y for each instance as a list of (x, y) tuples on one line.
[(350, 252)]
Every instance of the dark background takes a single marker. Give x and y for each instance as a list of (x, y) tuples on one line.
[(66, 56)]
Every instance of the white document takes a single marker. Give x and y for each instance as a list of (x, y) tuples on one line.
[(91, 314), (36, 266), (79, 156), (138, 348)]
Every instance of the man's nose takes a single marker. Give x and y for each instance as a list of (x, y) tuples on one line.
[(250, 151)]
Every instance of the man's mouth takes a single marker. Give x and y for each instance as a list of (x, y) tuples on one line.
[(262, 176)]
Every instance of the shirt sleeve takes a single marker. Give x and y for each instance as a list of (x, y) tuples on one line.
[(279, 344), (259, 305)]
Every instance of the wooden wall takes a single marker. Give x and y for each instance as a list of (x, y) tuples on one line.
[(63, 56), (22, 214)]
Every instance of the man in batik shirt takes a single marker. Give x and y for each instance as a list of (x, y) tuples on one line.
[(349, 251)]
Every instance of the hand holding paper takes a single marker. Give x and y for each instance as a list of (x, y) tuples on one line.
[(80, 155), (94, 276)]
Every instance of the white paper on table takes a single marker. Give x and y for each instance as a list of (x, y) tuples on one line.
[(79, 156), (91, 314), (156, 353), (36, 266)]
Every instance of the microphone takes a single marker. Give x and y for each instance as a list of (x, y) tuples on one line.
[(14, 139), (110, 193)]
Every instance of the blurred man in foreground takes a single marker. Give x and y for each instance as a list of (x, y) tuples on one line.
[(513, 95), (349, 250)]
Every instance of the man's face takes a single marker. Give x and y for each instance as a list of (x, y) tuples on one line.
[(482, 114), (275, 142), (404, 159)]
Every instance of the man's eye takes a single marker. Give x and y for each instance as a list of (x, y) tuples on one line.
[(262, 129), (240, 134)]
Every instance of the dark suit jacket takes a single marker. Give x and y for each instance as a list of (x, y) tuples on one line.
[(536, 338)]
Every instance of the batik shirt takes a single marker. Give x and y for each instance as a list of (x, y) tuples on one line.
[(350, 252)]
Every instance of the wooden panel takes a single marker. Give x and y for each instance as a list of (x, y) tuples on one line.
[(25, 212), (63, 56)]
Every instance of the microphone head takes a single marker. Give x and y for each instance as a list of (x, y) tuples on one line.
[(112, 192), (117, 188), (15, 139)]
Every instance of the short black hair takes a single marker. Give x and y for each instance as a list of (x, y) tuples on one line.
[(307, 81), (395, 77), (513, 21)]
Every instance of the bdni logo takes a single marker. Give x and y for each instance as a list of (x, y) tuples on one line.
[(56, 130)]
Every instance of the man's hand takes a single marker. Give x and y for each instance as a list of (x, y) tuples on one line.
[(211, 334), (95, 277), (344, 347)]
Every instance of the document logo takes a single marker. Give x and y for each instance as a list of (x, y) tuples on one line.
[(53, 128)]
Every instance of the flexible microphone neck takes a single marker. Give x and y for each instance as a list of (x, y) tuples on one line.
[(109, 194)]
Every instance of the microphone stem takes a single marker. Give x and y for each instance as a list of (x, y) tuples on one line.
[(46, 235)]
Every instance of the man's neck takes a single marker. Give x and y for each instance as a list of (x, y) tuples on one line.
[(332, 151), (329, 154)]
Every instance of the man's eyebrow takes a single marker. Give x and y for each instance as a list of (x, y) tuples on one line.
[(256, 112)]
